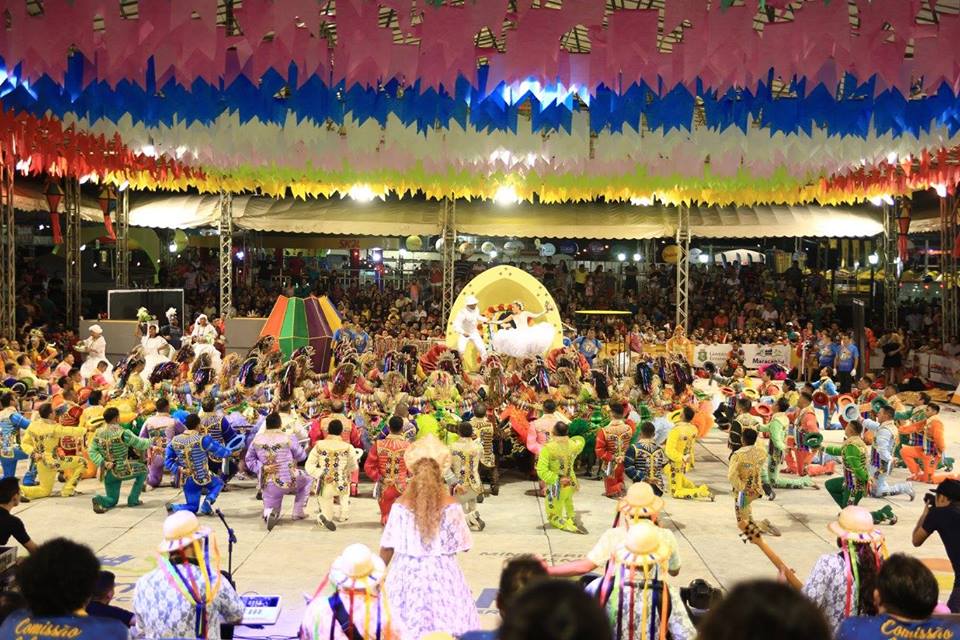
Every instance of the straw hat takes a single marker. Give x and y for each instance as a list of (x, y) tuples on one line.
[(180, 530), (357, 569), (640, 501), (643, 546), (856, 524), (428, 447), (750, 393)]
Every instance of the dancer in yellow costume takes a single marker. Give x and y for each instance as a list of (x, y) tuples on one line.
[(41, 441), (679, 450), (555, 468)]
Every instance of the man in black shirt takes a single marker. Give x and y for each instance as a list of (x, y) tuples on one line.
[(943, 517), (11, 525), (102, 595)]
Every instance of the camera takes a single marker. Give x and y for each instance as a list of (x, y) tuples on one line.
[(930, 498)]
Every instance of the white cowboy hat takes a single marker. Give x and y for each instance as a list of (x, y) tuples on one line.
[(180, 530), (95, 328), (357, 569), (471, 301), (856, 524), (428, 447), (640, 502), (643, 547)]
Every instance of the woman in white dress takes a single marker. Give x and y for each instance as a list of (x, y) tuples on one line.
[(156, 351), (527, 337), (203, 336), (96, 349)]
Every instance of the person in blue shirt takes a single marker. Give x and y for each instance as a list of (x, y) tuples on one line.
[(57, 582), (906, 596), (827, 351), (588, 345), (848, 361)]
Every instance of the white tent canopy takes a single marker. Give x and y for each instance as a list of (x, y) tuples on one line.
[(615, 221), (576, 220)]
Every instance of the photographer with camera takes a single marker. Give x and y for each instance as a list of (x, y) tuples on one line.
[(941, 514)]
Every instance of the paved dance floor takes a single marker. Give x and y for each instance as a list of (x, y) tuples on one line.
[(293, 558)]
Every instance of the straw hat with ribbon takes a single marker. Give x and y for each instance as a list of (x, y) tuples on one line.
[(357, 569), (855, 526), (640, 502), (642, 556), (182, 531)]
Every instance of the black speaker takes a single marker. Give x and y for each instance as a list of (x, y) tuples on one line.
[(858, 314), (122, 304)]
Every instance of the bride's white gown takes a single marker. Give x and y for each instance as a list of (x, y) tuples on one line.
[(151, 355), (526, 340)]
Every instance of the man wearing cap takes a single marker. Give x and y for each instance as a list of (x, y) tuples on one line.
[(42, 442), (941, 514), (640, 504), (186, 596), (110, 450), (357, 608), (465, 325)]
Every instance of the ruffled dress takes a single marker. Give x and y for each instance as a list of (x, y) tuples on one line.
[(425, 585)]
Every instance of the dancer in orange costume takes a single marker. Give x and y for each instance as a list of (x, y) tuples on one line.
[(611, 447), (926, 446), (804, 439)]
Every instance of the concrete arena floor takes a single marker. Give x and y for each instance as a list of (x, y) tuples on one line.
[(293, 558)]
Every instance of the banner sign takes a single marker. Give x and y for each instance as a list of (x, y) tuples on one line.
[(944, 370), (715, 353), (757, 355)]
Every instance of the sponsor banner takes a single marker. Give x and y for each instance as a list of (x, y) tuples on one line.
[(715, 353), (757, 355), (943, 370)]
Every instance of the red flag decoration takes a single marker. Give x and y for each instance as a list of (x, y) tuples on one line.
[(903, 226), (108, 203), (54, 194)]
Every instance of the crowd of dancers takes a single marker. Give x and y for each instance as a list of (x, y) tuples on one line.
[(197, 419)]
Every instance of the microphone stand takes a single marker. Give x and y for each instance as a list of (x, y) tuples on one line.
[(231, 540)]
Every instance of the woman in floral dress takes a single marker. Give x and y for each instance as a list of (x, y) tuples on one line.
[(424, 532)]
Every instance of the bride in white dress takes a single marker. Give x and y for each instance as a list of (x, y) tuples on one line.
[(156, 351), (527, 337)]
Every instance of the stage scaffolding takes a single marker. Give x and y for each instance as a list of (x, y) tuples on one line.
[(948, 266), (683, 265), (8, 257), (123, 239), (449, 233), (226, 257), (71, 214), (889, 253)]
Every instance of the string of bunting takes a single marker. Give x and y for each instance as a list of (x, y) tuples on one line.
[(436, 43)]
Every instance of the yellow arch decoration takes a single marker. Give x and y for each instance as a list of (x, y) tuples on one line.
[(503, 285)]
